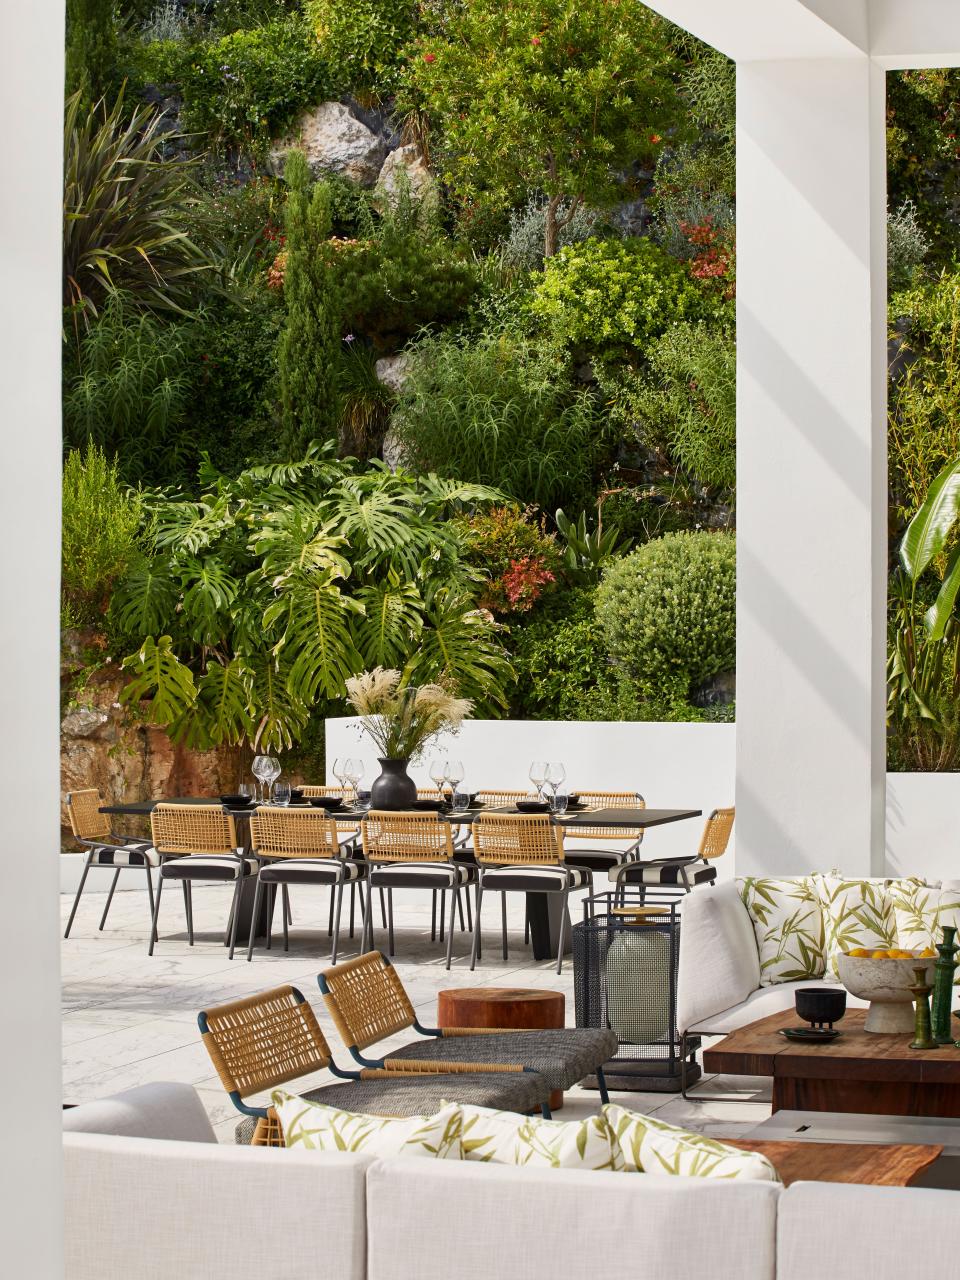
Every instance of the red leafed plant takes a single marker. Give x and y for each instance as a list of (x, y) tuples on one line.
[(524, 582), (716, 257)]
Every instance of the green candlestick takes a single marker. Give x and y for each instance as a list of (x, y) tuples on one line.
[(943, 973), (922, 1038)]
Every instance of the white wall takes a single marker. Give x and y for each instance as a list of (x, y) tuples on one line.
[(675, 766), (923, 825), (31, 96)]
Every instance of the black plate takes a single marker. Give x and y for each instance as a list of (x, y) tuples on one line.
[(326, 802), (809, 1035), (532, 806)]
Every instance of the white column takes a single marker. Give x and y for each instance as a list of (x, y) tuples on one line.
[(31, 97), (811, 440)]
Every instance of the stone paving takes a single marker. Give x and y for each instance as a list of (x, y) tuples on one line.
[(129, 1018)]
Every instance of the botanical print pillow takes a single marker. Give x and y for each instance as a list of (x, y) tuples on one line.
[(315, 1127), (921, 912), (503, 1137), (653, 1146), (788, 922), (856, 914)]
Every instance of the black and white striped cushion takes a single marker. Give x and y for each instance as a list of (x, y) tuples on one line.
[(667, 873), (309, 870), (415, 875), (536, 879), (135, 853), (199, 866)]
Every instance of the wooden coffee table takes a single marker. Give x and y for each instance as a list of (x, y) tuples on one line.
[(880, 1165), (859, 1071)]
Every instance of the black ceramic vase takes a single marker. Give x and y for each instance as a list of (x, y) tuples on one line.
[(394, 788)]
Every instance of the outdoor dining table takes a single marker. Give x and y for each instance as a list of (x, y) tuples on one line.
[(544, 909)]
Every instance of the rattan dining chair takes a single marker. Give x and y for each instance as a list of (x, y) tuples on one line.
[(627, 841), (411, 851), (298, 846), (368, 1003), (491, 799), (684, 873), (107, 848), (201, 839), (348, 829), (522, 853), (267, 1040)]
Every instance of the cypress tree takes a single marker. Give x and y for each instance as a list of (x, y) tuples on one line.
[(309, 355), (91, 50)]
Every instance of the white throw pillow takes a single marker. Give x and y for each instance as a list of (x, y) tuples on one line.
[(503, 1137), (788, 923), (921, 912), (315, 1127), (856, 914), (652, 1146)]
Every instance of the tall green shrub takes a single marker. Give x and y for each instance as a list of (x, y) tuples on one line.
[(364, 38), (91, 51), (99, 536), (309, 353), (668, 612), (496, 411)]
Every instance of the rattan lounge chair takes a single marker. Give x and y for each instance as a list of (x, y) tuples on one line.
[(682, 874), (368, 1003), (274, 1038), (114, 852)]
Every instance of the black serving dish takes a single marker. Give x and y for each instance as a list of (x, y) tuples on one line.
[(326, 802), (809, 1035), (533, 806), (238, 802), (430, 806), (296, 793), (820, 1006)]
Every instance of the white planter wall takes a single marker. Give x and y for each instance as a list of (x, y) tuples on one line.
[(923, 825)]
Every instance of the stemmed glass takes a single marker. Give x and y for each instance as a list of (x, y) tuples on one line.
[(555, 774), (353, 770), (538, 776), (455, 775), (339, 771), (438, 774), (260, 769), (271, 772)]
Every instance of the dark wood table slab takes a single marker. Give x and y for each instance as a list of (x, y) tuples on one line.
[(860, 1071), (874, 1165)]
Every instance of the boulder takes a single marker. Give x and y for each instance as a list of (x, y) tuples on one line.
[(405, 168), (333, 141), (84, 722), (392, 371)]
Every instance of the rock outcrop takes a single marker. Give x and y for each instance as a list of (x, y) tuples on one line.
[(334, 141), (404, 169)]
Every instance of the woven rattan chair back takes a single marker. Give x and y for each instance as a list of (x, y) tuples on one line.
[(366, 1000), (495, 798), (611, 800), (86, 820), (516, 840), (294, 833), (263, 1041), (313, 792), (182, 829), (406, 837), (429, 793), (716, 834)]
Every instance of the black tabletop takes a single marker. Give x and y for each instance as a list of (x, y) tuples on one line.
[(627, 819)]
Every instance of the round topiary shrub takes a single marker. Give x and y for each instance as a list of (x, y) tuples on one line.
[(668, 612)]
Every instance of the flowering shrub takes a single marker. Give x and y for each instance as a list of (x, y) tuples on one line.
[(365, 38), (607, 295), (519, 560), (524, 581), (713, 254)]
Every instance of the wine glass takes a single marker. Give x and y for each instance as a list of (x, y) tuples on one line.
[(339, 772), (555, 774), (438, 774), (455, 774), (353, 771), (281, 794), (538, 776), (259, 769), (272, 772)]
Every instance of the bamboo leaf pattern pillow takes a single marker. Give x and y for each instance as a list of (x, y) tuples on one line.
[(503, 1137), (856, 913), (921, 912), (652, 1146), (315, 1127), (788, 922)]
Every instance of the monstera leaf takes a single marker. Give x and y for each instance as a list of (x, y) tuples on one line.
[(160, 678)]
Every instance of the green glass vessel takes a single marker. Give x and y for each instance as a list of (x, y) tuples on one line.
[(922, 1036), (943, 974)]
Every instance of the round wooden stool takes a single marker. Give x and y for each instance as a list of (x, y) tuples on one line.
[(509, 1008)]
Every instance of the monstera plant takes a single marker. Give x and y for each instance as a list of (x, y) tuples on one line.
[(923, 668), (255, 603)]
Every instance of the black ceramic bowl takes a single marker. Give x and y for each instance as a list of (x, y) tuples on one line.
[(296, 793), (429, 806), (326, 802), (533, 806), (820, 1006), (237, 802)]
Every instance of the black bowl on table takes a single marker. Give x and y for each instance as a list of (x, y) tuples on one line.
[(533, 806), (427, 805), (326, 802), (820, 1006), (296, 795), (237, 801)]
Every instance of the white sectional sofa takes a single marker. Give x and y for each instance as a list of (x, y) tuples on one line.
[(154, 1208)]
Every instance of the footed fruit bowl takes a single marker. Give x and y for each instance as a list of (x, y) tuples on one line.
[(884, 978)]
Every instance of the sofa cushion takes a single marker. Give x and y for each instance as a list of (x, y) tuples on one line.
[(921, 912), (856, 913), (437, 1218), (311, 1126), (788, 922), (503, 1137), (652, 1146), (719, 966), (159, 1110)]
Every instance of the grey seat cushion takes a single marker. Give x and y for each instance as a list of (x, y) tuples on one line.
[(562, 1057), (423, 1095)]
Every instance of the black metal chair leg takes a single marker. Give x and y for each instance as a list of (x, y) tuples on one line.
[(466, 894), (286, 916), (236, 914), (333, 894), (383, 908), (602, 1086), (475, 949), (286, 896), (336, 923), (257, 893), (156, 917), (271, 902), (390, 938), (526, 922), (562, 931), (433, 915), (458, 905), (353, 906), (503, 924), (76, 901), (113, 885), (150, 888), (366, 938), (443, 908), (188, 904), (450, 930)]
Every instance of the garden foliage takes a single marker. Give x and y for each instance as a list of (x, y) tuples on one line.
[(100, 526)]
